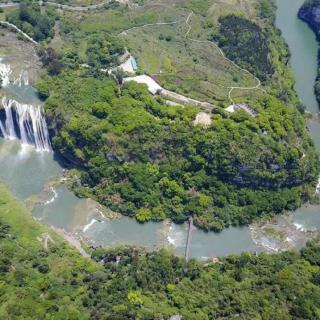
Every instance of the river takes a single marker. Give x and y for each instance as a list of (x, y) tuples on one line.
[(32, 176), (304, 50)]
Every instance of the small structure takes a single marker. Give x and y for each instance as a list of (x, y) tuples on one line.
[(203, 118), (152, 85), (242, 106), (130, 65)]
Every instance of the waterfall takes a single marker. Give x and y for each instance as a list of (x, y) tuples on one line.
[(22, 79), (29, 124), (5, 72), (9, 125)]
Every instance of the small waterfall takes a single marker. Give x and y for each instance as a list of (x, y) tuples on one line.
[(5, 72), (9, 125), (22, 79), (29, 125)]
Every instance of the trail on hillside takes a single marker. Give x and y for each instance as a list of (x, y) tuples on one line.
[(212, 43), (256, 87)]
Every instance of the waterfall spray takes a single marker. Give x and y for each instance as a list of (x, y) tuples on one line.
[(22, 79), (5, 72), (30, 124), (9, 125)]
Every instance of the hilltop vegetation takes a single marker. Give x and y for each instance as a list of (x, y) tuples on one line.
[(148, 160), (34, 22), (139, 156), (58, 283), (245, 43)]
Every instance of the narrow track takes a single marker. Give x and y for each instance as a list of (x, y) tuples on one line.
[(256, 87), (12, 26)]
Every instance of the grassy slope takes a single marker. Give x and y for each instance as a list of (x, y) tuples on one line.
[(195, 69)]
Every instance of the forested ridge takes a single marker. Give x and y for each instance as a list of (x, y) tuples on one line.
[(39, 281), (145, 159), (245, 43), (148, 160)]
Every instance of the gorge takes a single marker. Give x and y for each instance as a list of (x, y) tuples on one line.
[(82, 218)]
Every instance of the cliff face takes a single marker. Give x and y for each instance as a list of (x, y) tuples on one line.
[(310, 13)]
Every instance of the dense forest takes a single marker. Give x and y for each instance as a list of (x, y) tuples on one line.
[(30, 19), (148, 160), (46, 279), (245, 43)]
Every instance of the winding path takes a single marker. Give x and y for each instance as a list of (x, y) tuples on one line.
[(256, 87), (9, 5), (148, 25), (231, 88), (187, 22)]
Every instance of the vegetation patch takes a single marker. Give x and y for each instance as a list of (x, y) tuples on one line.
[(30, 19), (149, 161), (245, 43)]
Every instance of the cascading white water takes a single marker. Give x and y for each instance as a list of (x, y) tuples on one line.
[(22, 79), (30, 124), (5, 72), (9, 125)]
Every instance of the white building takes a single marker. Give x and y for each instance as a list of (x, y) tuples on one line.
[(235, 107)]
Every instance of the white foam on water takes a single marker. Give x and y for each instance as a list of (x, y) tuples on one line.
[(172, 241), (268, 244), (299, 226), (175, 237), (55, 196), (22, 79), (5, 73), (289, 240), (318, 186), (89, 225)]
